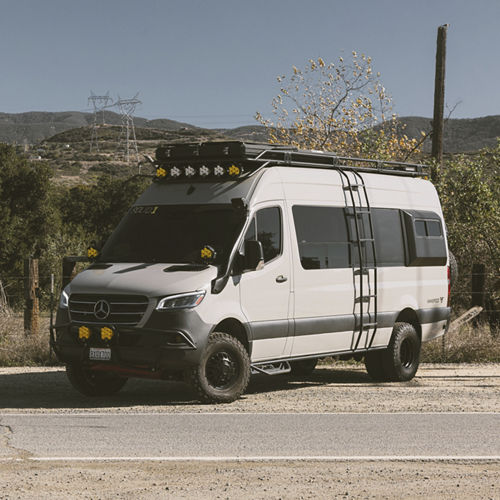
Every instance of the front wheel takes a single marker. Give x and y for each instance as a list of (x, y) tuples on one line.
[(223, 372), (93, 383)]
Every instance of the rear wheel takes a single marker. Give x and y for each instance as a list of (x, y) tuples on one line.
[(303, 367), (93, 383), (223, 372), (402, 356)]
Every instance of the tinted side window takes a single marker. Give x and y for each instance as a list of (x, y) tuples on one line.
[(389, 242), (269, 231), (321, 237), (433, 228)]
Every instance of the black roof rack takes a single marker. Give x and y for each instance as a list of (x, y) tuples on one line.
[(252, 156)]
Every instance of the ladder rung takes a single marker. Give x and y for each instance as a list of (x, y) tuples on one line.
[(364, 298)]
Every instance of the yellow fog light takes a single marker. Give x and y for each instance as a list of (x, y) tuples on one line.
[(106, 333), (83, 333), (234, 170)]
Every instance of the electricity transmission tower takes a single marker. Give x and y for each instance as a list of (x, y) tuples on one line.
[(99, 103), (128, 143)]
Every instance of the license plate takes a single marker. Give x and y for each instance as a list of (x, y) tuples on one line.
[(100, 353)]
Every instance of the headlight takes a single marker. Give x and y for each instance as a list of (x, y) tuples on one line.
[(181, 301), (63, 301)]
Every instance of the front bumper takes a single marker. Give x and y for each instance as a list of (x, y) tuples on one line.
[(167, 342)]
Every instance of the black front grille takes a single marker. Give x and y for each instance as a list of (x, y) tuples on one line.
[(123, 309)]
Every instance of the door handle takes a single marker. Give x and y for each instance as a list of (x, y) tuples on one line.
[(281, 279)]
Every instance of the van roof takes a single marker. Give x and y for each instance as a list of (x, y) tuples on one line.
[(223, 159)]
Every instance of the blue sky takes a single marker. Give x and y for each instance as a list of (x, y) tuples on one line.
[(214, 63)]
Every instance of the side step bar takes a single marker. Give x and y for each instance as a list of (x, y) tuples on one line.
[(272, 368)]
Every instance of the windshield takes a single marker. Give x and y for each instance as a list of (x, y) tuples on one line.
[(174, 233)]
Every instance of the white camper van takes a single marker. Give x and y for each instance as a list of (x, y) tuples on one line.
[(254, 258)]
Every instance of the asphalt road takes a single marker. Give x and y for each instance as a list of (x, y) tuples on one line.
[(231, 436)]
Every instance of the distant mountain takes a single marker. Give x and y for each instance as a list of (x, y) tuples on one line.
[(460, 135), (35, 126)]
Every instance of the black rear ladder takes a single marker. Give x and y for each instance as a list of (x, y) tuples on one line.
[(362, 246)]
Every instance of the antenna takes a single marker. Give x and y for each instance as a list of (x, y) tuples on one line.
[(99, 103), (128, 142)]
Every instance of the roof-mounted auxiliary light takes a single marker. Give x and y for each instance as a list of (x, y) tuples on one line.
[(175, 172), (161, 173), (204, 171), (234, 170), (189, 171), (219, 171)]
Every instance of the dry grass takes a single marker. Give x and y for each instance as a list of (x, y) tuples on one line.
[(470, 344), (18, 349)]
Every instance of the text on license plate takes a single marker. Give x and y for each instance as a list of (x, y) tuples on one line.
[(100, 353)]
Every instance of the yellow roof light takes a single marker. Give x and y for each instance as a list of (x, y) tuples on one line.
[(161, 172), (234, 170)]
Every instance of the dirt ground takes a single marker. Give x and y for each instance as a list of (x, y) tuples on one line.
[(331, 388), (250, 480), (337, 388)]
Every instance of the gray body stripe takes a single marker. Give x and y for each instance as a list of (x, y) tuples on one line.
[(332, 324)]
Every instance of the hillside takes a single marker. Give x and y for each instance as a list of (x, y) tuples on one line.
[(35, 126), (460, 135)]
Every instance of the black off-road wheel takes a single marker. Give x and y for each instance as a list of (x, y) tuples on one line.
[(374, 363), (303, 367), (223, 372), (402, 357), (93, 383)]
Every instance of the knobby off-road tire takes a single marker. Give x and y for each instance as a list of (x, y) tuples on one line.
[(399, 362), (93, 383), (223, 372), (303, 367), (403, 354)]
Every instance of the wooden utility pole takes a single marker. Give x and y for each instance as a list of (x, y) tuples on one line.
[(31, 292), (438, 120)]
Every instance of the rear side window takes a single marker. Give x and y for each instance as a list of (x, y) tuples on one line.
[(389, 242), (321, 237), (428, 228)]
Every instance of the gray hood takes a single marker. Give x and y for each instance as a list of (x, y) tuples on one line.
[(141, 279)]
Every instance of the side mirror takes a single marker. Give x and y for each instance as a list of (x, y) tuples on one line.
[(254, 255)]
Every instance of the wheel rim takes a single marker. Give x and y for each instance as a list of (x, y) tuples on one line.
[(406, 353), (221, 369)]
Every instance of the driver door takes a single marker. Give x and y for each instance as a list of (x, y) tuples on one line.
[(265, 293)]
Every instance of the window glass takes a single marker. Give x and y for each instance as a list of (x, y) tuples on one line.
[(321, 237), (433, 228), (269, 231), (420, 228), (388, 232)]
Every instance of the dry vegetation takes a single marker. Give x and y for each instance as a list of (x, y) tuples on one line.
[(18, 349), (470, 344)]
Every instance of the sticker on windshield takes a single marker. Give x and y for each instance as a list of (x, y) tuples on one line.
[(149, 210)]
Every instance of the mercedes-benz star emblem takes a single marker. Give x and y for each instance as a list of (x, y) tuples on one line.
[(101, 309)]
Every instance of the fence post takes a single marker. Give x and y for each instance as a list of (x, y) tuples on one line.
[(31, 293), (477, 287)]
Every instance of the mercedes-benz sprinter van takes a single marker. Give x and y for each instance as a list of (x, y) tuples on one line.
[(244, 258)]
